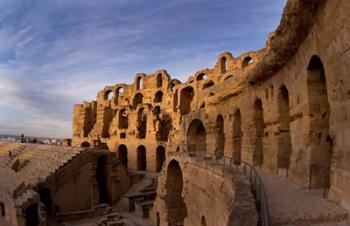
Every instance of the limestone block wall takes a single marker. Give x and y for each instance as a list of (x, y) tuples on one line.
[(185, 197)]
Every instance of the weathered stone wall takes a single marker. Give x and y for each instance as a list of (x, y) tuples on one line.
[(208, 192)]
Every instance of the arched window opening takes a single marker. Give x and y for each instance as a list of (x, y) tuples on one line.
[(186, 98), (85, 144), (123, 119), (141, 158), (258, 120), (123, 155), (119, 91), (176, 207), (108, 95), (122, 135), (223, 64), (247, 61), (220, 137), (207, 85), (237, 137), (160, 158), (138, 99), (2, 210), (320, 144), (101, 178), (156, 110), (196, 137), (138, 83), (46, 199), (202, 105), (32, 215), (201, 77), (141, 123), (158, 97), (159, 80), (284, 143)]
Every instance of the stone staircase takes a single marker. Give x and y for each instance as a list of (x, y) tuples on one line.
[(140, 197)]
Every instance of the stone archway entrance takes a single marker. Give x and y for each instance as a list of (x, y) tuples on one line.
[(320, 142), (46, 199), (141, 158), (284, 138), (101, 178), (258, 120), (220, 137), (176, 207), (237, 137), (196, 137), (160, 158), (32, 215), (123, 155)]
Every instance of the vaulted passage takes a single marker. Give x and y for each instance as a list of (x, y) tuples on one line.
[(141, 123), (176, 208), (186, 98), (46, 199), (32, 215), (160, 157), (320, 143), (237, 137), (220, 137), (123, 155), (258, 135), (284, 138), (101, 178), (141, 158), (196, 137)]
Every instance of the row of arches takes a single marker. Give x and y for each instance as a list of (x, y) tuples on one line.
[(139, 84), (320, 142), (141, 157)]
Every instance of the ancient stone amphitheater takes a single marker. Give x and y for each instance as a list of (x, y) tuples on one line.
[(259, 139)]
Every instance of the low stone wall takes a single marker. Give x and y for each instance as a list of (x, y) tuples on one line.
[(212, 195)]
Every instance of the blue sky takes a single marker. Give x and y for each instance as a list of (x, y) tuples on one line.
[(55, 53)]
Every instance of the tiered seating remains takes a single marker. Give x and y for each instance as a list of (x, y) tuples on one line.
[(140, 197), (22, 166)]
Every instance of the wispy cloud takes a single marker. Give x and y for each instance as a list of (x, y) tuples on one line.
[(59, 52)]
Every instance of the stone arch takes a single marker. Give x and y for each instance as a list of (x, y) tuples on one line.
[(247, 61), (220, 137), (141, 158), (223, 64), (284, 138), (320, 143), (258, 136), (208, 84), (2, 210), (118, 91), (141, 123), (159, 80), (203, 221), (237, 137), (201, 76), (196, 137), (108, 95), (85, 144), (138, 99), (186, 98), (101, 178), (123, 121), (158, 97), (46, 199), (32, 215), (176, 207), (138, 83), (160, 158), (123, 155)]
